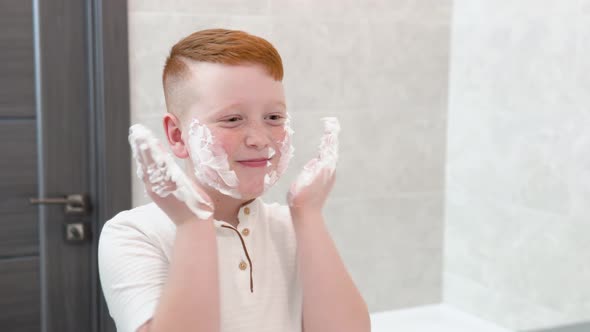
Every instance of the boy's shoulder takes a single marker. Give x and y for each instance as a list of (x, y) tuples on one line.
[(147, 228), (147, 218)]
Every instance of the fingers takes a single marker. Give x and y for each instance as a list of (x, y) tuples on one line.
[(140, 169), (140, 164), (329, 177), (319, 173), (328, 151), (137, 140), (151, 159), (165, 179), (327, 156), (145, 152)]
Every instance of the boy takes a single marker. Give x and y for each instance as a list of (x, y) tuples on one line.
[(209, 254)]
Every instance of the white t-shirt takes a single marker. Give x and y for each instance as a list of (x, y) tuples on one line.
[(135, 249)]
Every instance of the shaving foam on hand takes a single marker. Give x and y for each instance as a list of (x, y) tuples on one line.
[(327, 157), (158, 168)]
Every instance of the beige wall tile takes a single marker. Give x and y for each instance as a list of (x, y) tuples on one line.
[(515, 243)]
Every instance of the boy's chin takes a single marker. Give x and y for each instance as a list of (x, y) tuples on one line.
[(251, 191)]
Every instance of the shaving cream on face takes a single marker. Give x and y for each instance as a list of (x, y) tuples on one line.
[(327, 158), (286, 149), (210, 161), (165, 177), (271, 154)]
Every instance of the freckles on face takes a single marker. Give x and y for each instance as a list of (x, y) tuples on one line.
[(228, 140), (232, 142)]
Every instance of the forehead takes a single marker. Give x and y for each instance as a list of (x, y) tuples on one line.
[(217, 85)]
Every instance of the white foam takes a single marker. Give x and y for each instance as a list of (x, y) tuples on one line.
[(211, 161), (286, 149), (157, 168), (326, 159)]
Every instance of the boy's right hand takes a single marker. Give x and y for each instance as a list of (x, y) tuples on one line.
[(165, 182)]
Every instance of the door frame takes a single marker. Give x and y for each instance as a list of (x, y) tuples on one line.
[(110, 109), (106, 64)]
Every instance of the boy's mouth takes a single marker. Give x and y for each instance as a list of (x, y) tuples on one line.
[(259, 162)]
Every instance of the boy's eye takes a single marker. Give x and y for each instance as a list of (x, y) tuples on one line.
[(276, 118), (231, 119)]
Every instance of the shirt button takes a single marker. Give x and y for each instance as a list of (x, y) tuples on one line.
[(245, 232), (243, 265), (247, 210)]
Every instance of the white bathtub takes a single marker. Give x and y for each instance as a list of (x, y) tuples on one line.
[(431, 318)]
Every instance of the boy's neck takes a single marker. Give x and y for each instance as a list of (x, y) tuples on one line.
[(227, 208)]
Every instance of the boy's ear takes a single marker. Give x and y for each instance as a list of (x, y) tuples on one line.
[(173, 130)]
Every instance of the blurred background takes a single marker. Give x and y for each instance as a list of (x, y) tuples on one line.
[(461, 201)]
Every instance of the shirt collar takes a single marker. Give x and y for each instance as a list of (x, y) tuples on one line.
[(246, 215)]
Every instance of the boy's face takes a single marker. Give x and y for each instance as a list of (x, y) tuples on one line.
[(244, 108)]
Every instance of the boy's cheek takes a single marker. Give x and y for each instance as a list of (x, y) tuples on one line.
[(228, 143), (280, 134)]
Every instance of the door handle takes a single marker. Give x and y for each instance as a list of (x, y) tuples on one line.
[(75, 204)]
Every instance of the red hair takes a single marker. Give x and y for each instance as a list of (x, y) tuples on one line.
[(231, 47)]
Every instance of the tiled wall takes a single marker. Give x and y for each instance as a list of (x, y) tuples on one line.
[(517, 244), (381, 68)]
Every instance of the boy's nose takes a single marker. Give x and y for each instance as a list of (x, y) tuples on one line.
[(257, 138)]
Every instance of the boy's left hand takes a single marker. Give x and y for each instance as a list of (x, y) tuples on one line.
[(310, 199), (309, 192)]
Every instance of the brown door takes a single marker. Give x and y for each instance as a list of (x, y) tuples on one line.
[(55, 132)]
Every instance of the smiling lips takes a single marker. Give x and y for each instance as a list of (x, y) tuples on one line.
[(260, 162)]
